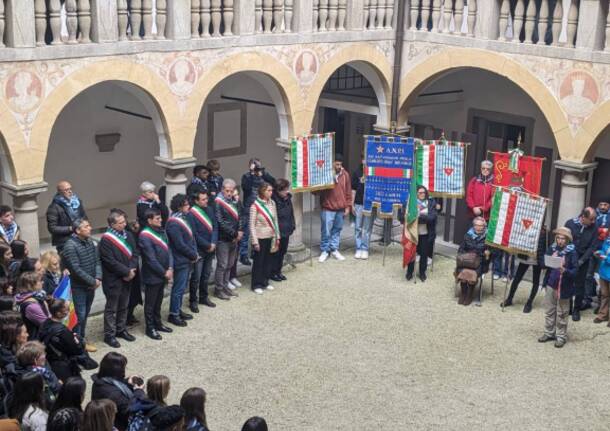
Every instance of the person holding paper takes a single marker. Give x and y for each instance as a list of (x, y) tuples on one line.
[(559, 285)]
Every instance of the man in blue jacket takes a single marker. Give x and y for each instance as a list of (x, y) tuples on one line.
[(184, 251), (202, 219), (156, 270)]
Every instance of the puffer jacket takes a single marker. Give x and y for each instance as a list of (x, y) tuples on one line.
[(82, 259), (603, 254)]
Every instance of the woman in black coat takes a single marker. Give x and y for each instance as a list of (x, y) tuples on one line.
[(65, 350), (474, 242), (287, 225), (426, 229)]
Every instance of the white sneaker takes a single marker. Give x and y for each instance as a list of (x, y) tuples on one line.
[(235, 282), (505, 279), (364, 255), (258, 291), (323, 256), (358, 254), (337, 255), (429, 261), (496, 277), (269, 287), (231, 286)]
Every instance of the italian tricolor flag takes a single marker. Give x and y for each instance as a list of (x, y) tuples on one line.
[(300, 163), (388, 172), (440, 167), (515, 221)]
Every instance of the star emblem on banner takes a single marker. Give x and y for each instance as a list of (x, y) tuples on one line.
[(379, 149)]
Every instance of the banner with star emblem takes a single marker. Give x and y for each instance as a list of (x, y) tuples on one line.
[(388, 172), (440, 167), (515, 221), (312, 162), (522, 171)]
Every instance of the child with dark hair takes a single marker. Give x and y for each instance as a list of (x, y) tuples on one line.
[(27, 403), (65, 419), (193, 403), (6, 256), (214, 179)]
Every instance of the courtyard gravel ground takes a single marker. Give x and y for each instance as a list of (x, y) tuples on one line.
[(352, 346)]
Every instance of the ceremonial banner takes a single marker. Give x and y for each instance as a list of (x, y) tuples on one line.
[(527, 175), (64, 291), (388, 172), (440, 167), (312, 162), (515, 221)]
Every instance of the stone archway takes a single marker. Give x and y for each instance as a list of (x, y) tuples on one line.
[(421, 75), (591, 130)]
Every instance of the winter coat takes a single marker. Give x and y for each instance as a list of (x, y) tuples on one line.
[(259, 228), (34, 419), (250, 184), (479, 193), (285, 214), (603, 255), (552, 275), (429, 220), (62, 349), (228, 225), (144, 204), (584, 239), (156, 259), (59, 222), (50, 282), (181, 242), (115, 263), (143, 406), (214, 184), (204, 237), (195, 425), (475, 243), (81, 258), (34, 311), (196, 187), (340, 197), (120, 392)]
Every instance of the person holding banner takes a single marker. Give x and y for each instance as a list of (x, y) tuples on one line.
[(479, 192), (561, 261), (364, 223), (336, 204), (265, 237)]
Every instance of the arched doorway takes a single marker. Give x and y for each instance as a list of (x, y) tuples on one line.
[(104, 142)]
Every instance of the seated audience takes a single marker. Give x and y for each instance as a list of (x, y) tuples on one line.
[(193, 403), (65, 419), (255, 423), (99, 415), (27, 403), (31, 300), (469, 270)]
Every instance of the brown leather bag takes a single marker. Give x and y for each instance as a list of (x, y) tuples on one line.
[(468, 260), (469, 276)]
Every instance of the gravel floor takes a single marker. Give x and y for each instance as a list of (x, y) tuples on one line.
[(352, 346)]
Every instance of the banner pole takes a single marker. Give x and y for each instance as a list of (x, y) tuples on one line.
[(311, 203)]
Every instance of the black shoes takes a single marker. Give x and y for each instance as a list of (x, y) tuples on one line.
[(528, 307), (409, 276), (193, 307), (176, 320), (276, 277), (126, 336), (132, 321), (422, 277), (185, 316), (229, 292), (220, 294), (283, 277), (576, 315), (244, 260), (152, 333), (88, 363), (206, 301), (507, 303), (112, 342), (163, 328)]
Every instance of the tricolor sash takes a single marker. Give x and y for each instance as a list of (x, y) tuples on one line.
[(155, 237), (119, 243), (182, 223), (229, 207), (263, 209), (203, 217)]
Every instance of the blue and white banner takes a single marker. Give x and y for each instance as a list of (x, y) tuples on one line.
[(388, 173)]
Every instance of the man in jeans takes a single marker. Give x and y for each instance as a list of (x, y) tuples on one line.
[(80, 256), (336, 204), (364, 223)]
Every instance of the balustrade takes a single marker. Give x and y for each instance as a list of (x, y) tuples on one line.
[(59, 22), (212, 18), (608, 32), (378, 14), (2, 23), (330, 15), (446, 16), (141, 19)]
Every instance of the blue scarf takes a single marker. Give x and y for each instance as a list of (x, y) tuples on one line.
[(602, 218), (122, 234), (71, 205), (562, 251), (472, 234), (9, 232), (198, 181)]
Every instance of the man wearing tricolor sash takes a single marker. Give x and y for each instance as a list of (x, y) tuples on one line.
[(205, 230), (156, 270), (230, 232), (184, 251), (119, 256)]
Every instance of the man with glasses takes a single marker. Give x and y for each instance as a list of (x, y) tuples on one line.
[(64, 210)]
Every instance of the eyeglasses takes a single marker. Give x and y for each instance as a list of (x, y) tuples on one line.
[(66, 190)]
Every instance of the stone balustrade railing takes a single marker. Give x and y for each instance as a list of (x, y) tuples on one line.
[(378, 14), (329, 15), (607, 40), (212, 18), (58, 22), (273, 16), (141, 19), (445, 16)]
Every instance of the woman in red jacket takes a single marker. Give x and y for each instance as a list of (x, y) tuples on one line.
[(479, 193)]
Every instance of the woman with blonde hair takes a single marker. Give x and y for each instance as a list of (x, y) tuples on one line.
[(51, 264)]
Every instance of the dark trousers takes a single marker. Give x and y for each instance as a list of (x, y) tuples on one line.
[(135, 295), (590, 283), (115, 310), (153, 298), (83, 298), (261, 265), (579, 284), (198, 286), (277, 258), (521, 270), (422, 251)]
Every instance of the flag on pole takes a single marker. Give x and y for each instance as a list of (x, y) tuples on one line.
[(312, 162), (515, 221), (528, 174), (409, 233), (440, 168), (64, 291)]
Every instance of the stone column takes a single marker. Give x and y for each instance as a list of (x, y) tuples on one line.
[(105, 23), (244, 21), (178, 24), (296, 248), (354, 19), (176, 176), (302, 19), (487, 20), (591, 25), (25, 206), (20, 31), (574, 182)]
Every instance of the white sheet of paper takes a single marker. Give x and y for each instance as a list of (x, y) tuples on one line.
[(553, 261)]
